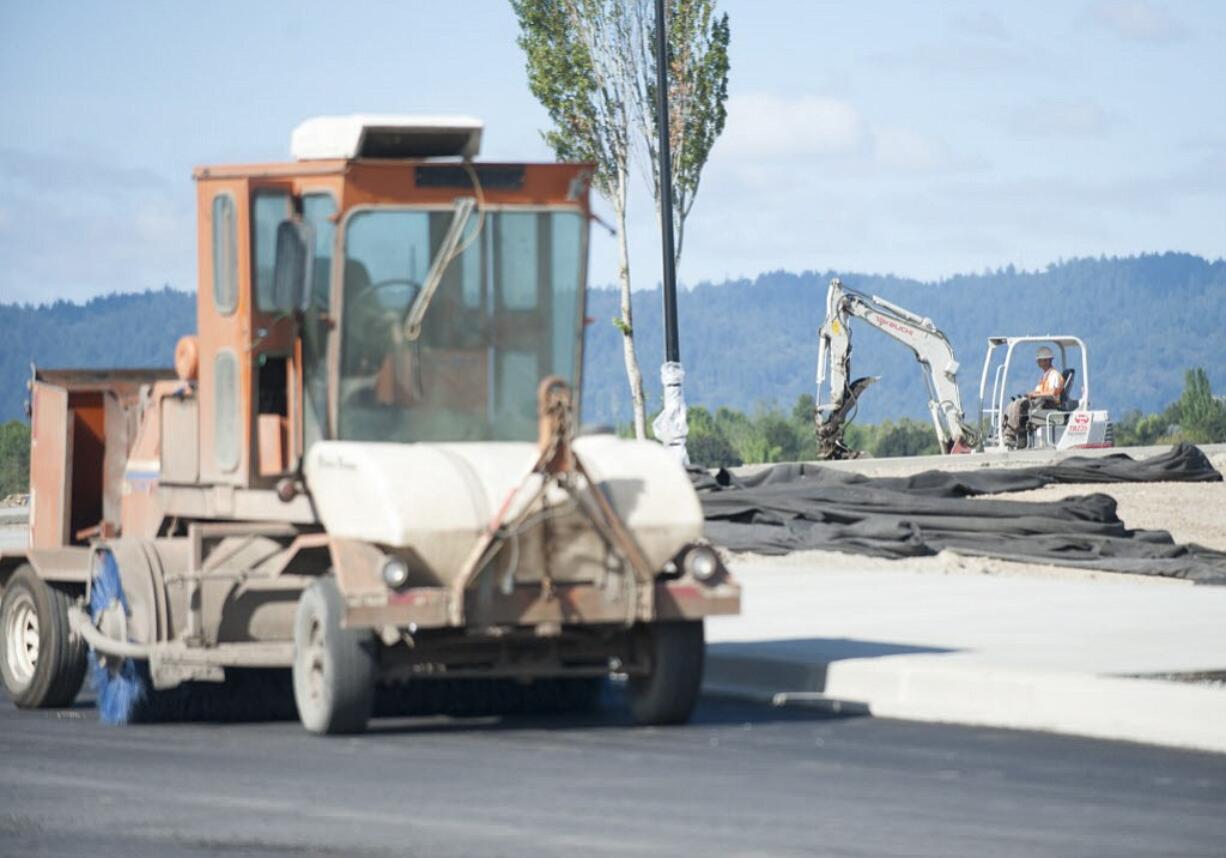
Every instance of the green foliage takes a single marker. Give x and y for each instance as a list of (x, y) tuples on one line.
[(1201, 416), (1138, 429), (729, 437), (573, 50), (706, 444), (581, 67), (697, 73), (14, 458), (1197, 416), (904, 438)]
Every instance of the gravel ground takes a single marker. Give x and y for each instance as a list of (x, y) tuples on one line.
[(1192, 512)]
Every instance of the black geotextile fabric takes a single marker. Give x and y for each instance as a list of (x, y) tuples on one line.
[(802, 506)]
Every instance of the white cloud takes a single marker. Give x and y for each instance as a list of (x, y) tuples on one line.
[(1136, 20), (1081, 117), (911, 152), (87, 226), (983, 24), (764, 128), (968, 53), (766, 125), (157, 222)]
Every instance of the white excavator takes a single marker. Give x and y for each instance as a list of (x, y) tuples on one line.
[(1069, 424), (929, 345)]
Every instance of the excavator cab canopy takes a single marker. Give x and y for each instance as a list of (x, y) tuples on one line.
[(1071, 423)]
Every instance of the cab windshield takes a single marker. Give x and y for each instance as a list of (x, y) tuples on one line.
[(506, 313)]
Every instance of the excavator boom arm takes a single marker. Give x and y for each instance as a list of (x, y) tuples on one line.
[(929, 345)]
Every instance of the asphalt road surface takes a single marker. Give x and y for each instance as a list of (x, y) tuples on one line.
[(740, 780)]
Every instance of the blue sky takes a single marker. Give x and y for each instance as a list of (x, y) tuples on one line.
[(922, 139)]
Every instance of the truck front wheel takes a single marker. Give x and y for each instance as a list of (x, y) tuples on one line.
[(668, 694), (334, 668), (41, 660)]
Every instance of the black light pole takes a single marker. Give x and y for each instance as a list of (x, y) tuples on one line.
[(670, 425), (672, 351)]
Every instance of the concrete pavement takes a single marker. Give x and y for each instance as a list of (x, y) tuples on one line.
[(1064, 653)]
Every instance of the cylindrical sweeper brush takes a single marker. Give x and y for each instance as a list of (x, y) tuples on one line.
[(117, 681)]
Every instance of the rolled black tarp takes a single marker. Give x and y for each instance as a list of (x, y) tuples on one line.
[(799, 506)]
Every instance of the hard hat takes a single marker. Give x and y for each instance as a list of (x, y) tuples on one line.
[(1044, 353)]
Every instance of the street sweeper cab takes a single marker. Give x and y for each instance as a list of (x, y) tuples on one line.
[(364, 467)]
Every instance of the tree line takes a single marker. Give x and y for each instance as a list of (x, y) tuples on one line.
[(1196, 416), (727, 437), (753, 342)]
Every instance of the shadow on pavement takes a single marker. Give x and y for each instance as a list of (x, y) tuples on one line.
[(794, 669), (612, 714), (825, 649)]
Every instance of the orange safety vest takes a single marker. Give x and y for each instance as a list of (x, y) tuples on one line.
[(1052, 384)]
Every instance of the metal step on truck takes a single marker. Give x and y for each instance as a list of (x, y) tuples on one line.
[(364, 466)]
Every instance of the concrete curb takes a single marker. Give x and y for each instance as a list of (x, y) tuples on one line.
[(955, 688)]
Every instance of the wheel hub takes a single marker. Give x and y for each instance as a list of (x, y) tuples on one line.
[(315, 662), (22, 639), (112, 621)]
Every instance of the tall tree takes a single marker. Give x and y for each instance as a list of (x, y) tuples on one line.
[(697, 66), (1202, 416), (581, 57)]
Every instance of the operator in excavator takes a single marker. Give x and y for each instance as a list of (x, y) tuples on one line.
[(1046, 394)]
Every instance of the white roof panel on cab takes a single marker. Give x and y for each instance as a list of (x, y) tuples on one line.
[(363, 135)]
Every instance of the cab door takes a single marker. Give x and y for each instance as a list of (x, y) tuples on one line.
[(50, 465)]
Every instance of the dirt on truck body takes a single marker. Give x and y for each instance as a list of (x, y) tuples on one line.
[(364, 466)]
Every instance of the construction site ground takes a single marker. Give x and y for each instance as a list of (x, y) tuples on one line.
[(989, 642), (1191, 512), (981, 641)]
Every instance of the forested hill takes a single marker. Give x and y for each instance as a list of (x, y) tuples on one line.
[(753, 343), (132, 330), (748, 343)]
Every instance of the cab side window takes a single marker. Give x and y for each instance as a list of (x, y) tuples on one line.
[(268, 209), (225, 254), (317, 210)]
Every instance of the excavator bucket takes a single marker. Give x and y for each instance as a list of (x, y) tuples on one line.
[(832, 423)]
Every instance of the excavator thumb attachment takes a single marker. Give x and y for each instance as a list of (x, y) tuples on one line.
[(831, 421)]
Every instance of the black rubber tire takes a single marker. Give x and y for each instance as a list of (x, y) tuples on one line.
[(669, 693), (59, 669), (334, 668)]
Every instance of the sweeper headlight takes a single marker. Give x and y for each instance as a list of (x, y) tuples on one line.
[(701, 562), (395, 573)]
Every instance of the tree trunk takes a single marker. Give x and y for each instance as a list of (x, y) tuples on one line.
[(627, 328), (679, 236)]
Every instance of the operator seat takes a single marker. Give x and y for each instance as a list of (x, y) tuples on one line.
[(1067, 404), (1058, 416)]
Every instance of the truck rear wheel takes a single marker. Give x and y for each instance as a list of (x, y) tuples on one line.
[(42, 663), (669, 693), (334, 668)]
